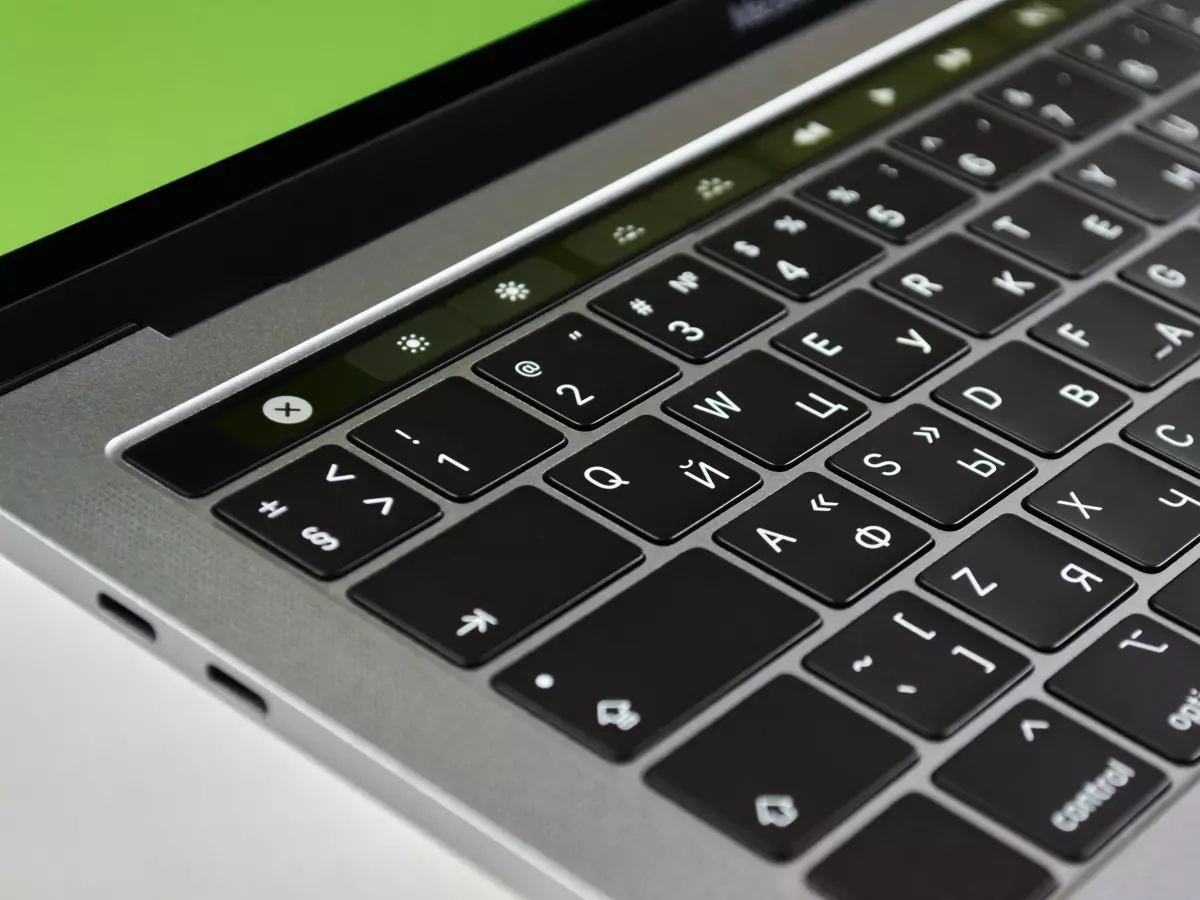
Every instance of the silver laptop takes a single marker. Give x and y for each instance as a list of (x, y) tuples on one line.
[(693, 449)]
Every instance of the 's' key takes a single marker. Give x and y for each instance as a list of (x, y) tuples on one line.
[(1051, 779), (940, 470), (1141, 679), (1128, 506), (621, 678), (769, 776)]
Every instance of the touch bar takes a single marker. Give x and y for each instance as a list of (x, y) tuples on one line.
[(216, 445)]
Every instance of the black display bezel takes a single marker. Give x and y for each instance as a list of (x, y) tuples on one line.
[(176, 255)]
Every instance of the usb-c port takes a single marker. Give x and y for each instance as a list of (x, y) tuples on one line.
[(235, 689), (127, 618)]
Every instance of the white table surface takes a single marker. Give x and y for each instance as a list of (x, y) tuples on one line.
[(121, 780)]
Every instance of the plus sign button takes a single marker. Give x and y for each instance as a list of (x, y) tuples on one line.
[(288, 410)]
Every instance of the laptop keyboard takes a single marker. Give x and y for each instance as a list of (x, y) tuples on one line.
[(698, 422)]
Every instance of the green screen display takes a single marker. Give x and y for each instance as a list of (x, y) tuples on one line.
[(104, 100)]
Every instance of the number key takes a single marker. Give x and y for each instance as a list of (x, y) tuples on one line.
[(689, 308), (971, 143), (794, 252), (1060, 98), (1139, 52), (328, 512), (888, 196), (577, 371), (458, 438)]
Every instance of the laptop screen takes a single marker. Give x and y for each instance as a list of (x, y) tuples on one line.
[(133, 94)]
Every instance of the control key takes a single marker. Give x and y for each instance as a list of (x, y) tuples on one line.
[(1052, 780)]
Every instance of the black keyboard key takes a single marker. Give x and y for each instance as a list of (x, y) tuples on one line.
[(766, 409), (689, 308), (1136, 176), (632, 671), (1180, 599), (931, 465), (654, 479), (1124, 504), (1179, 123), (577, 371), (968, 285), (1140, 678), (485, 583), (1170, 429), (328, 512), (1059, 230), (1140, 52), (1032, 398), (824, 539), (970, 142), (1060, 98), (917, 850), (458, 438), (919, 665), (1027, 582), (871, 345), (1171, 270), (1183, 14), (886, 195), (797, 253), (753, 772), (1119, 333), (1052, 780)]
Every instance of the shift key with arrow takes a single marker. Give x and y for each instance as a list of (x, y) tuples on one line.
[(328, 512), (872, 345)]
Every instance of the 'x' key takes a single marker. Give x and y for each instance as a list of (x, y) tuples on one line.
[(1085, 509), (1132, 491)]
